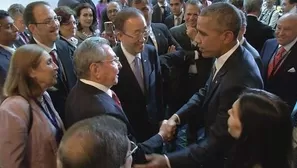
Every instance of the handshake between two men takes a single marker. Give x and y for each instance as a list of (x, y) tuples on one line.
[(168, 128)]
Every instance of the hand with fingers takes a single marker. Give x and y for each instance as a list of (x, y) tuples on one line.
[(167, 130), (171, 49)]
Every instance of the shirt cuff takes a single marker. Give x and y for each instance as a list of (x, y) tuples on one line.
[(167, 161), (178, 119), (161, 137), (196, 55)]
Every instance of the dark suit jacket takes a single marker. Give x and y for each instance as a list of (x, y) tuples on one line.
[(254, 53), (19, 42), (208, 108), (169, 21), (157, 16), (257, 33), (85, 101), (188, 84), (144, 110), (59, 96), (4, 66), (70, 46), (284, 82)]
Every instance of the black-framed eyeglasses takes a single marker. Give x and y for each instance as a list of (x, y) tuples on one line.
[(50, 22), (133, 149), (139, 35)]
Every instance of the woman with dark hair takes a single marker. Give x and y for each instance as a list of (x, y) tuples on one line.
[(31, 129), (260, 122), (67, 26), (86, 22)]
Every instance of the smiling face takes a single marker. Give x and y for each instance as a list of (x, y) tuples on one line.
[(68, 29), (286, 29), (86, 17), (46, 26), (8, 31)]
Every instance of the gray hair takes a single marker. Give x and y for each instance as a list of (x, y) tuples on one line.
[(226, 16), (16, 10), (252, 5), (88, 52), (243, 17), (195, 3)]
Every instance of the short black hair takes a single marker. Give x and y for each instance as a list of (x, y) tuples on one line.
[(3, 14), (95, 142), (65, 12), (28, 13), (124, 15)]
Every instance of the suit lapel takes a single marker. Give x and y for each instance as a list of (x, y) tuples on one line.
[(146, 69), (271, 49), (6, 53)]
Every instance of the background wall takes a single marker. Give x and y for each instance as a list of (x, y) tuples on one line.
[(4, 4)]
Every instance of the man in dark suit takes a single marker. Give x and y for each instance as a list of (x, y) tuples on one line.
[(160, 11), (177, 14), (234, 71), (43, 23), (140, 81), (192, 76), (280, 61), (8, 34), (97, 68), (243, 42), (256, 31)]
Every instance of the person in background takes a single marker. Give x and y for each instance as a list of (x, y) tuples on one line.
[(269, 14), (67, 26), (31, 129), (260, 123), (177, 14), (86, 22), (99, 8), (8, 35), (16, 12), (289, 6), (98, 142)]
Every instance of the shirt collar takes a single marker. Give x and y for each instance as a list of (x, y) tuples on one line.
[(222, 59), (129, 56), (98, 86), (165, 4), (290, 45), (180, 15), (47, 49), (241, 41), (293, 10), (9, 49)]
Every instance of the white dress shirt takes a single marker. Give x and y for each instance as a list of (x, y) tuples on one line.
[(98, 86)]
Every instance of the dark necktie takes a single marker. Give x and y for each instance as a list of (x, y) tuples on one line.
[(53, 54), (116, 99)]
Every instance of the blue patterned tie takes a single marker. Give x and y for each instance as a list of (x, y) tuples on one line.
[(137, 72)]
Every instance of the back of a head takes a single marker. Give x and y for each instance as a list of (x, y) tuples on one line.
[(225, 15), (237, 3), (266, 126), (99, 142), (252, 6)]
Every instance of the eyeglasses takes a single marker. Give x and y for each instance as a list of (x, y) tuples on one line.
[(115, 59), (134, 147), (139, 35), (51, 21), (69, 23), (113, 11)]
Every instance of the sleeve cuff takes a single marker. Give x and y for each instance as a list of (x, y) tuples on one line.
[(161, 137), (167, 161), (178, 119)]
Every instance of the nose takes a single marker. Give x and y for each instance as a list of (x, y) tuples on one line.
[(119, 65), (15, 29), (197, 39), (55, 66)]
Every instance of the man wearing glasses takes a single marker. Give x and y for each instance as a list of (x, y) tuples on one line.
[(43, 23), (140, 81)]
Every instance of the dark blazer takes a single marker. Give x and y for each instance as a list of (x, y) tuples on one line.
[(85, 101), (284, 82), (187, 84), (257, 32), (4, 65), (70, 46), (157, 16), (19, 42), (59, 94), (208, 108), (169, 21), (254, 53), (144, 110)]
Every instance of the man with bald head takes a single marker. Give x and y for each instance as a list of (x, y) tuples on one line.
[(96, 142), (280, 61)]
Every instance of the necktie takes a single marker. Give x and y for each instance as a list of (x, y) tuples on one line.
[(213, 71), (116, 99), (177, 21), (275, 61), (137, 72), (24, 38), (53, 54)]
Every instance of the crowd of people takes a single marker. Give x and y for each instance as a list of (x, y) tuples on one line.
[(149, 84)]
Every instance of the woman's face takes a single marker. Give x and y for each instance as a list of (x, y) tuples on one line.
[(234, 124), (68, 29), (46, 72), (86, 17)]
